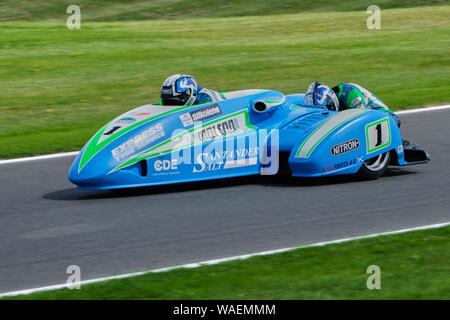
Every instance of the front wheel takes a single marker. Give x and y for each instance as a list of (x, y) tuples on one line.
[(375, 167)]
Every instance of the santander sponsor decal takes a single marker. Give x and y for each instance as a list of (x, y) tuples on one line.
[(226, 160)]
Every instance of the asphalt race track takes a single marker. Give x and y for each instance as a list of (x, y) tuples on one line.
[(46, 224)]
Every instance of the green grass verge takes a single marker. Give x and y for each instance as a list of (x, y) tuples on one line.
[(414, 265), (58, 86), (116, 10)]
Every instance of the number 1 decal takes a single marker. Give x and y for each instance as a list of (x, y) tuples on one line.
[(378, 135)]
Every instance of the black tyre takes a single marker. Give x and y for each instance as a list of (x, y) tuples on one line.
[(375, 167)]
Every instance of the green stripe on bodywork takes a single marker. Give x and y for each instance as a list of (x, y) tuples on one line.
[(147, 153), (274, 101), (94, 147), (327, 133)]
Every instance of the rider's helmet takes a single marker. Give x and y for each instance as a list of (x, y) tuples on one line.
[(319, 94), (179, 90)]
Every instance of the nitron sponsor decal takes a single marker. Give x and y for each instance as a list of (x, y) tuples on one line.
[(138, 142), (226, 160), (344, 147), (201, 114)]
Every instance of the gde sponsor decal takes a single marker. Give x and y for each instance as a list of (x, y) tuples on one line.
[(165, 167), (226, 160), (138, 142), (344, 147), (201, 114), (161, 165)]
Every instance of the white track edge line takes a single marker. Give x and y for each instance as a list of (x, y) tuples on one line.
[(74, 153), (447, 106), (217, 261), (43, 157)]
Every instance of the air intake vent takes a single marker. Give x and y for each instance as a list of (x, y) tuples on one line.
[(144, 168), (306, 120)]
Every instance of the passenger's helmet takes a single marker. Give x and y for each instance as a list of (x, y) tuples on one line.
[(179, 90), (319, 94)]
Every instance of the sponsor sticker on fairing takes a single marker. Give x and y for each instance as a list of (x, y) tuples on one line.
[(206, 112), (225, 126), (126, 120), (165, 167), (342, 165), (345, 147), (219, 129), (186, 119), (355, 102), (228, 159), (201, 114), (138, 142)]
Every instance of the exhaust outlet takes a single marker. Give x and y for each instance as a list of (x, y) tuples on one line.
[(261, 106)]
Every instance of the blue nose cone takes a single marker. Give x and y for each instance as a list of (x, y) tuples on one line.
[(96, 174), (88, 177)]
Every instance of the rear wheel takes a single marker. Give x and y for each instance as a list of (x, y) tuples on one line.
[(375, 167)]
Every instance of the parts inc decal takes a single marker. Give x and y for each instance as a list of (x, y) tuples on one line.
[(345, 147), (201, 114), (342, 165), (138, 142), (226, 160)]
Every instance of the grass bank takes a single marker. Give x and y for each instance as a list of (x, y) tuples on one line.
[(414, 265), (58, 86)]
